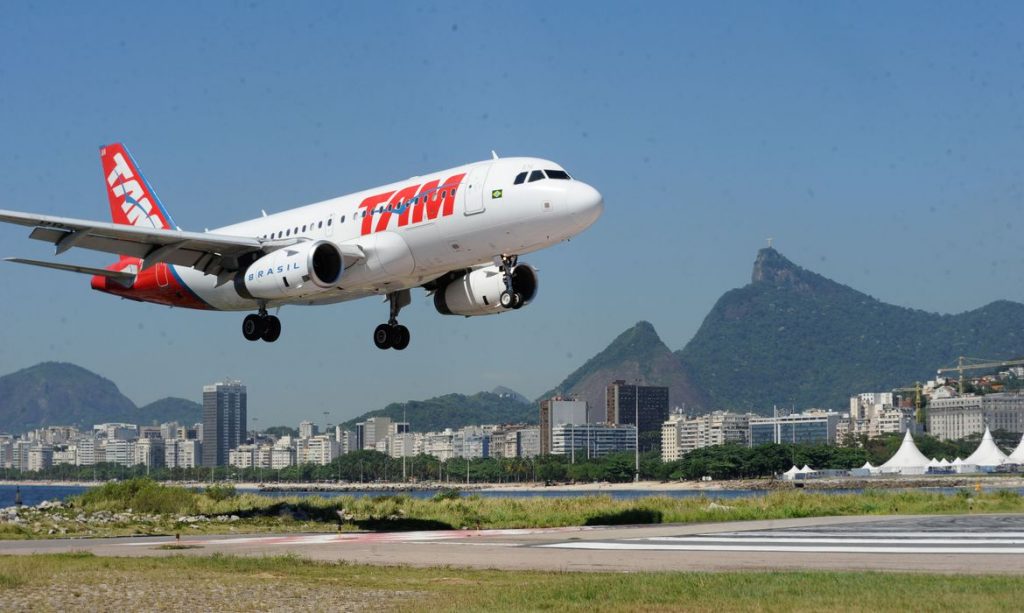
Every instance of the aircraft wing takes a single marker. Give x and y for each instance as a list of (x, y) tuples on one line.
[(208, 253)]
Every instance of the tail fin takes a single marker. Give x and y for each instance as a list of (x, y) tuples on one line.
[(132, 200)]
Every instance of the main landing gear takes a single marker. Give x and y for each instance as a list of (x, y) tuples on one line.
[(509, 299), (261, 326), (393, 335)]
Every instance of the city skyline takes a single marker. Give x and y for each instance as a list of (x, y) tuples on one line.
[(708, 130)]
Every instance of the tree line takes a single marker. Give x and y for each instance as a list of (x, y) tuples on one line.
[(720, 462)]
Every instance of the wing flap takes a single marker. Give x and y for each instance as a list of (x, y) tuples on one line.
[(216, 252), (86, 270)]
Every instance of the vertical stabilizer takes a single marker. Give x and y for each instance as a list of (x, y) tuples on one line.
[(132, 199)]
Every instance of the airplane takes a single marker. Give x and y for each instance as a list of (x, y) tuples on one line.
[(457, 233)]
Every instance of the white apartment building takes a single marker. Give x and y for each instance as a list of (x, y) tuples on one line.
[(957, 417)]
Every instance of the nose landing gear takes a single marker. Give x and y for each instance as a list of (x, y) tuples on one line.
[(510, 298), (261, 326), (393, 335)]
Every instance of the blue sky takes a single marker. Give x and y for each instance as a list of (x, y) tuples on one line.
[(882, 147)]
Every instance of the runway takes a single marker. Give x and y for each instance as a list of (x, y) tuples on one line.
[(946, 544)]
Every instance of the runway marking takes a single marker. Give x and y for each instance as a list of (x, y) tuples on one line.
[(825, 541), (362, 537), (867, 534), (782, 548), (855, 541)]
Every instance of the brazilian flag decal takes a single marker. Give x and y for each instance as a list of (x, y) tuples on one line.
[(495, 193)]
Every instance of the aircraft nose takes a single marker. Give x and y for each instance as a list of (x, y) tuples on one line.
[(585, 203)]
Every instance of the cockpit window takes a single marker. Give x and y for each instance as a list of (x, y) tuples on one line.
[(558, 174), (520, 178), (536, 175)]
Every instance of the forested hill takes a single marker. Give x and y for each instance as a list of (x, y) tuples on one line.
[(57, 393), (794, 337), (638, 354), (455, 411)]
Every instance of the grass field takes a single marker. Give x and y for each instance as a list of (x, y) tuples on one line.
[(149, 508), (51, 582)]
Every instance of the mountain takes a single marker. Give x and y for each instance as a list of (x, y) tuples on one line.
[(637, 353), (185, 412), (57, 393), (794, 337), (455, 411), (510, 393)]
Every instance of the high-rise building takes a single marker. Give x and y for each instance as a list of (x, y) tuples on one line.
[(960, 416), (150, 452), (308, 429), (560, 411), (581, 441), (372, 430), (625, 404), (810, 428), (224, 420)]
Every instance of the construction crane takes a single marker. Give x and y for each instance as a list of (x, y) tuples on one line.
[(966, 363), (919, 413)]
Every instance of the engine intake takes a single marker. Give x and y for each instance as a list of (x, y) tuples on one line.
[(291, 272), (478, 292)]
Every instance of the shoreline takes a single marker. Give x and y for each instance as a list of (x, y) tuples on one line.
[(836, 483)]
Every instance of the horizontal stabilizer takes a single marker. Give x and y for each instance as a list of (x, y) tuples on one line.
[(117, 275)]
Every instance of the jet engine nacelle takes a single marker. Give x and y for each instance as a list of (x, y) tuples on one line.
[(294, 271), (478, 292)]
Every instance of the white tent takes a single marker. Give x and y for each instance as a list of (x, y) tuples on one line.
[(933, 463), (867, 466), (1017, 457), (956, 462), (807, 470), (987, 455), (944, 462), (907, 460), (791, 473)]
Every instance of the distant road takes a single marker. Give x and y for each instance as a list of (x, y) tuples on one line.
[(946, 544)]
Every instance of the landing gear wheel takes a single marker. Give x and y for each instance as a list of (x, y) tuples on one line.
[(271, 328), (517, 300), (252, 327), (382, 336), (507, 299), (399, 337)]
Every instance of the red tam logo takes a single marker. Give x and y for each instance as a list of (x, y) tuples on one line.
[(412, 204)]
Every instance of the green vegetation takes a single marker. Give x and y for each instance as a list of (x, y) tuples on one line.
[(144, 507), (455, 411), (231, 583), (56, 393), (637, 353), (793, 337)]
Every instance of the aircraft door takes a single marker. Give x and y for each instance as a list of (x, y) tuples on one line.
[(473, 192)]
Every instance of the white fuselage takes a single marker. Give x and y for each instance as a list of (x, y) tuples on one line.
[(415, 234)]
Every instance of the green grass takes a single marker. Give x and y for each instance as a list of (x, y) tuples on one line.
[(163, 505), (446, 589)]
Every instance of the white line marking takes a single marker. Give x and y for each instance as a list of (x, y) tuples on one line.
[(782, 548), (879, 541), (869, 534)]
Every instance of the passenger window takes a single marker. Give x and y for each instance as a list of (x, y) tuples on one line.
[(558, 174), (288, 233), (536, 175), (520, 178), (303, 228), (320, 225), (296, 229), (329, 221), (342, 220)]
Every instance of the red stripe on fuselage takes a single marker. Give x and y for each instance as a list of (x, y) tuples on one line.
[(157, 284)]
